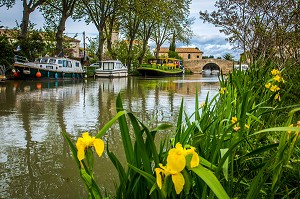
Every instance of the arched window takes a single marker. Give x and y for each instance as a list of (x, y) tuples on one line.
[(189, 56)]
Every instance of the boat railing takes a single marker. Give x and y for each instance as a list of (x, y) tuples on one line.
[(20, 59)]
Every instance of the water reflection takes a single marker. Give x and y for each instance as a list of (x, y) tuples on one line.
[(35, 161)]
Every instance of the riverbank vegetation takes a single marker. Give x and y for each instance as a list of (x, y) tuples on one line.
[(137, 22), (243, 143)]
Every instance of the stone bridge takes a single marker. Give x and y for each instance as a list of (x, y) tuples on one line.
[(196, 66)]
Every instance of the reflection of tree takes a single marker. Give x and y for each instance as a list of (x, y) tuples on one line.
[(26, 122)]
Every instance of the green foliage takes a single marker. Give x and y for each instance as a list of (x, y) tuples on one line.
[(228, 56), (247, 141), (6, 52), (292, 74), (173, 54), (33, 46)]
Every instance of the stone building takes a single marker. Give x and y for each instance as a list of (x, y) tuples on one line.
[(186, 53)]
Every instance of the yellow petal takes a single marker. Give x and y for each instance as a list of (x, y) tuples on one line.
[(80, 152), (99, 146), (233, 120), (195, 160), (158, 172), (178, 181), (87, 139), (176, 159)]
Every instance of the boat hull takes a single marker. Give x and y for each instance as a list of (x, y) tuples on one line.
[(111, 73), (159, 72), (21, 72)]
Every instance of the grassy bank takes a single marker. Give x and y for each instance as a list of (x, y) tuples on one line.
[(244, 143)]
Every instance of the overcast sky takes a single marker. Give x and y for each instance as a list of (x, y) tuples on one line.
[(207, 37)]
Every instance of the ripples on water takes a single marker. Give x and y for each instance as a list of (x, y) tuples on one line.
[(35, 161)]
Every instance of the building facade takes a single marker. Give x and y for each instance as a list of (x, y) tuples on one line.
[(185, 53)]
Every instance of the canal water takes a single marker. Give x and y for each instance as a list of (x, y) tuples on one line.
[(35, 161)]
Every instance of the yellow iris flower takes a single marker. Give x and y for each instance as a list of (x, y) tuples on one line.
[(233, 120), (274, 88), (87, 141), (223, 90), (268, 85), (277, 78), (277, 97), (176, 162), (275, 72)]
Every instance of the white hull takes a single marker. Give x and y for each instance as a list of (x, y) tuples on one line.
[(111, 73)]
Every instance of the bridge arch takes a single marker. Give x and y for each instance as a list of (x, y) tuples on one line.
[(211, 66)]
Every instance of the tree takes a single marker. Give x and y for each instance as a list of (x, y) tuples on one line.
[(130, 23), (148, 19), (98, 12), (33, 46), (6, 52), (265, 29), (56, 14), (173, 21), (228, 56), (28, 8)]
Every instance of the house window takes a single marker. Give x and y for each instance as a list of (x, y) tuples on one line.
[(198, 56), (189, 56)]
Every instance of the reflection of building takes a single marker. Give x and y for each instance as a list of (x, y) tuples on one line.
[(185, 53)]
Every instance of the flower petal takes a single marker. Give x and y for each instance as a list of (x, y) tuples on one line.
[(178, 181), (195, 160), (99, 146), (80, 152), (158, 172), (176, 159)]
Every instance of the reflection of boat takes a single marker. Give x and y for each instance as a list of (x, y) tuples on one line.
[(47, 67), (161, 67), (242, 67), (2, 73), (210, 72), (111, 68)]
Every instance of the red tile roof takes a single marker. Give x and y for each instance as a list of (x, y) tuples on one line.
[(181, 50)]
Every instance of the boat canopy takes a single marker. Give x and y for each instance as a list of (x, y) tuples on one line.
[(170, 62)]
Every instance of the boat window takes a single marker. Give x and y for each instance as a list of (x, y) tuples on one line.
[(44, 60), (64, 63), (77, 64), (59, 62), (108, 66), (119, 65), (49, 67), (52, 61), (37, 60), (69, 64)]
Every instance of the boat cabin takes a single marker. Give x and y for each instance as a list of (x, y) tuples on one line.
[(167, 62), (51, 62)]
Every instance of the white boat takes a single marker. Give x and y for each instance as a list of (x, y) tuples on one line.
[(111, 68), (48, 67)]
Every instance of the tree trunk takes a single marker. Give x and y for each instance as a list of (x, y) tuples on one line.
[(25, 21), (157, 50), (100, 47), (130, 57), (109, 33), (59, 34)]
